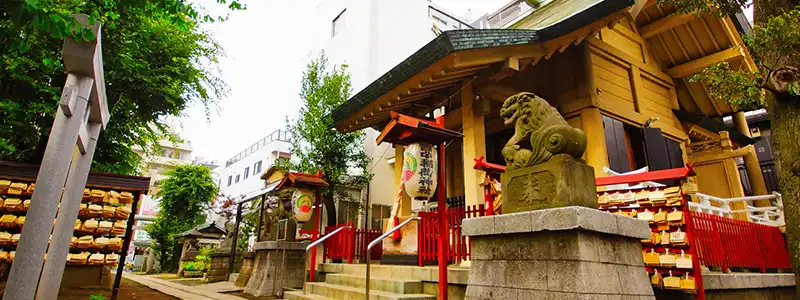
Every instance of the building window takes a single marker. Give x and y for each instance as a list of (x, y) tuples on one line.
[(630, 148), (237, 178), (230, 180), (246, 172), (338, 24), (257, 168), (378, 214)]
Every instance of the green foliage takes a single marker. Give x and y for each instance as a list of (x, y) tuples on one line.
[(739, 88), (719, 7), (203, 259), (182, 201), (157, 61), (97, 297), (189, 266), (315, 146), (773, 45), (187, 191)]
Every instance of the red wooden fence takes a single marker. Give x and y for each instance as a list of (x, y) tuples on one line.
[(428, 234), (729, 243), (351, 243)]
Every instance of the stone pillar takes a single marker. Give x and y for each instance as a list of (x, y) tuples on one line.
[(473, 146), (267, 278), (219, 267), (247, 269), (558, 253)]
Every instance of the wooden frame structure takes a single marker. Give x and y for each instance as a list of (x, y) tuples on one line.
[(615, 60)]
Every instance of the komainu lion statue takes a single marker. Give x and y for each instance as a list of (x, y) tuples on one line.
[(539, 132)]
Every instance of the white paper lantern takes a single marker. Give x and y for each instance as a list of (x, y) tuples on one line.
[(420, 166), (302, 205)]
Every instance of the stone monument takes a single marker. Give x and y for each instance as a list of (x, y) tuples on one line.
[(543, 158), (554, 244)]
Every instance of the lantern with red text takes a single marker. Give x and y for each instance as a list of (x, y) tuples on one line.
[(420, 166)]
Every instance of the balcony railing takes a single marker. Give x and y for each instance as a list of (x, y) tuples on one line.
[(277, 135), (767, 215)]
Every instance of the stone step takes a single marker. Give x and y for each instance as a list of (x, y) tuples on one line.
[(298, 295), (455, 275), (398, 286), (345, 292)]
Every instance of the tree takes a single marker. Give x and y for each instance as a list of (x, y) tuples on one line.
[(157, 61), (775, 46), (315, 146), (183, 198)]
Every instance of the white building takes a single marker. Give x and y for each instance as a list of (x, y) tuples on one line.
[(371, 37), (241, 174)]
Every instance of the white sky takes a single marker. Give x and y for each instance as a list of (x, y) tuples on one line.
[(264, 46)]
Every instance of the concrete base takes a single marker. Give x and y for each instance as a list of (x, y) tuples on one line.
[(87, 276), (267, 265), (561, 253), (219, 267), (247, 269)]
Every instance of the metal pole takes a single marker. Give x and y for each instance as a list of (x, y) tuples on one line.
[(65, 222), (235, 238), (375, 242), (27, 267), (443, 240), (125, 246)]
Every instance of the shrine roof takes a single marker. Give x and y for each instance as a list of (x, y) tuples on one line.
[(458, 55)]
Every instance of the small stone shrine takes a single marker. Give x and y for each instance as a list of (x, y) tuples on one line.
[(552, 243)]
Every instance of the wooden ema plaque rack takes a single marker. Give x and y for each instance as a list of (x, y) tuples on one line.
[(90, 243), (671, 258)]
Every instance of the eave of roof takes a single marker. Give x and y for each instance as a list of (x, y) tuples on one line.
[(450, 42), (713, 126)]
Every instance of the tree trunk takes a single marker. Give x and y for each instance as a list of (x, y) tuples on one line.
[(330, 205), (785, 128)]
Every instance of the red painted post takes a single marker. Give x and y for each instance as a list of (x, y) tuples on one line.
[(315, 237), (488, 199), (350, 239), (420, 239), (701, 292), (718, 238), (442, 226)]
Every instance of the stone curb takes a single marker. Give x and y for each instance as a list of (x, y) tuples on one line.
[(556, 219)]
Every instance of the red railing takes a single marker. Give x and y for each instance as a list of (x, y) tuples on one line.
[(351, 243), (728, 243), (428, 234)]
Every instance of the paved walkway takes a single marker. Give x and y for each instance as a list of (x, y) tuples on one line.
[(179, 290)]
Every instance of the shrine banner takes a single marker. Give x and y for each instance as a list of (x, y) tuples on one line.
[(302, 204), (420, 166)]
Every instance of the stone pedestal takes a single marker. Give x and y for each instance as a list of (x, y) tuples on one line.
[(248, 260), (267, 266), (560, 253), (559, 182), (218, 271), (403, 251)]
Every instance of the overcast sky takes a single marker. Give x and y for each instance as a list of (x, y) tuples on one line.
[(264, 47)]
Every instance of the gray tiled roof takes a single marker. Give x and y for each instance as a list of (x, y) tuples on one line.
[(459, 40)]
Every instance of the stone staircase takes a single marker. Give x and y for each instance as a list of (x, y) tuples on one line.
[(347, 281)]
